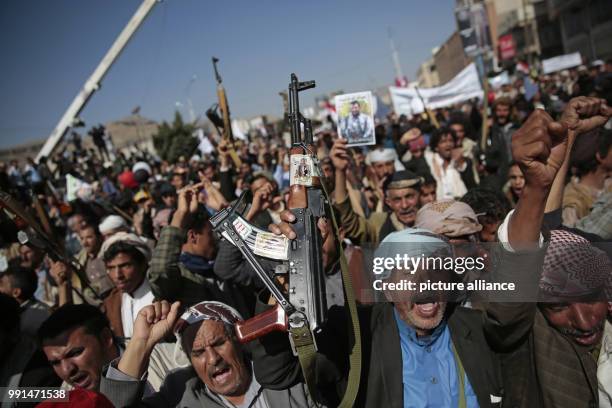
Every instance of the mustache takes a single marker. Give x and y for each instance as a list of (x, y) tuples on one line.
[(581, 333), (223, 365), (78, 376)]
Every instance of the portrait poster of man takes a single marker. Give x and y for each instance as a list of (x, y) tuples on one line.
[(356, 118)]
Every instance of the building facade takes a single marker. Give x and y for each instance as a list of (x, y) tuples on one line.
[(585, 25), (450, 58), (427, 74)]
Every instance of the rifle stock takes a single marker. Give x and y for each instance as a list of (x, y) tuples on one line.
[(266, 322)]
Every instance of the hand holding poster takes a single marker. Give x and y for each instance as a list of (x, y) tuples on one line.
[(356, 118)]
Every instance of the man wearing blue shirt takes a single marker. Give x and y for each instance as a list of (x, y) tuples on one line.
[(429, 351)]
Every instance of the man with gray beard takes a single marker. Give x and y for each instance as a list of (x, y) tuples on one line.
[(424, 347)]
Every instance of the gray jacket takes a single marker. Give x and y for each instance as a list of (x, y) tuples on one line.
[(183, 388)]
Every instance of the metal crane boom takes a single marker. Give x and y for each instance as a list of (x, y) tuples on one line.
[(93, 82)]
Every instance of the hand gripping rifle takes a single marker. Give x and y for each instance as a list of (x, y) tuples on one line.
[(226, 122), (303, 311), (31, 233)]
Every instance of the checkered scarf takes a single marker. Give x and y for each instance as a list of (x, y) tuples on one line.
[(574, 268), (207, 310)]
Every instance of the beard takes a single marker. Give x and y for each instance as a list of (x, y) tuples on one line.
[(422, 317)]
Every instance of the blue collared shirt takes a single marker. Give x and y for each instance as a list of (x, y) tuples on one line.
[(429, 371)]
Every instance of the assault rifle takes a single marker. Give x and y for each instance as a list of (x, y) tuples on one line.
[(304, 308), (225, 122), (31, 233)]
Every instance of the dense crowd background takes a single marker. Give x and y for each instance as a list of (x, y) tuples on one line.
[(138, 226)]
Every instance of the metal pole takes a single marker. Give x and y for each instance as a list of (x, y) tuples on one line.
[(189, 102), (528, 44), (590, 31), (93, 82), (399, 75)]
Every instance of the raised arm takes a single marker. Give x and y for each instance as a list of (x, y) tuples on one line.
[(355, 227), (62, 274), (123, 382), (164, 274), (340, 159), (576, 109), (540, 147), (227, 187)]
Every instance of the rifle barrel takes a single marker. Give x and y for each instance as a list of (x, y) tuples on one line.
[(295, 117), (217, 76)]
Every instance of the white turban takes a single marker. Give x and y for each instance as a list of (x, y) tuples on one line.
[(384, 155), (128, 238), (142, 166), (111, 223)]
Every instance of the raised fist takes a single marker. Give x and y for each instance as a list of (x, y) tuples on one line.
[(262, 200), (539, 148), (155, 322), (583, 114)]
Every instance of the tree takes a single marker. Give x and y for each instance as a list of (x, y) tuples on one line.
[(175, 140)]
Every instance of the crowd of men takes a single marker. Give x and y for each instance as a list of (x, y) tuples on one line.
[(148, 316)]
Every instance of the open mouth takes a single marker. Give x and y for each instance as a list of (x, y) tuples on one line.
[(426, 310), (221, 375), (407, 213), (81, 380), (588, 339)]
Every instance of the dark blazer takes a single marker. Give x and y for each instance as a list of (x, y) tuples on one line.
[(381, 375), (382, 384)]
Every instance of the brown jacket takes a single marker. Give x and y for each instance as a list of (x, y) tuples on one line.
[(541, 367), (112, 309)]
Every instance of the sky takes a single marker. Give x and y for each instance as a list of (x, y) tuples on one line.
[(50, 47)]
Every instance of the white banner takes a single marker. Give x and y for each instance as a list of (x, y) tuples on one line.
[(462, 87), (497, 81), (561, 62)]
